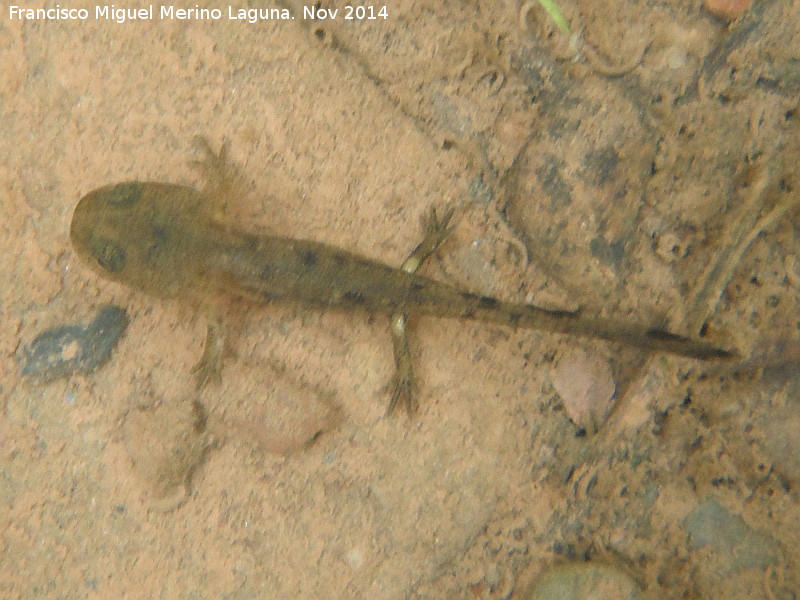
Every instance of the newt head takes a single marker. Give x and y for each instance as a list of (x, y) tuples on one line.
[(137, 233)]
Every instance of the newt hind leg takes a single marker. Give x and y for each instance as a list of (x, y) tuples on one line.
[(402, 385)]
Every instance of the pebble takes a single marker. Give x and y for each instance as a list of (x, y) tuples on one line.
[(166, 443), (66, 349), (736, 545), (727, 9), (586, 385), (782, 441), (583, 581)]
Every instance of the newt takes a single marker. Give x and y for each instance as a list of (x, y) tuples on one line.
[(168, 241)]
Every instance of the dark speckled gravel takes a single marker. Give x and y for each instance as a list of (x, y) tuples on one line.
[(66, 349)]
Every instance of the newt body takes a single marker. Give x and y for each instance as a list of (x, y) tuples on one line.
[(163, 239)]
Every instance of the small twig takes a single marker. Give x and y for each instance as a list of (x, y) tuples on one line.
[(578, 44), (718, 274)]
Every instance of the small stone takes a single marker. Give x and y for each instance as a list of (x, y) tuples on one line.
[(586, 385), (782, 442), (583, 581), (736, 544), (166, 444), (66, 349), (727, 9)]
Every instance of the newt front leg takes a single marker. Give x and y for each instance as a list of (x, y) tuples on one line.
[(221, 184)]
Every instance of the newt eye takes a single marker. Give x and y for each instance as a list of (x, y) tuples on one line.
[(109, 255), (125, 194)]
